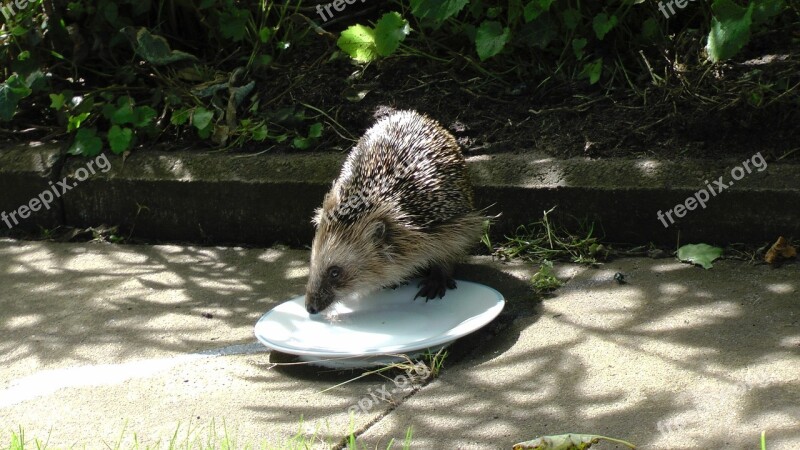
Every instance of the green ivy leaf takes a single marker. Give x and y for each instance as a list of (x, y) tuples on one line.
[(358, 41), (19, 30), (11, 92), (108, 110), (75, 121), (602, 24), (476, 8), (592, 70), (766, 9), (578, 44), (86, 143), (730, 29), (57, 101), (124, 112), (260, 133), (143, 115), (493, 12), (18, 86), (110, 12), (36, 81), (755, 98), (390, 30), (490, 39), (536, 8), (201, 119), (301, 143), (315, 130), (79, 103), (438, 10), (76, 9), (154, 49), (233, 23), (572, 18), (263, 60), (541, 32), (119, 139), (702, 254), (650, 30), (264, 34)]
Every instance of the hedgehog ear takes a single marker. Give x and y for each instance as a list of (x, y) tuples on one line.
[(380, 232)]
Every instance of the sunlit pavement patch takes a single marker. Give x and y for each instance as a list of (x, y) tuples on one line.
[(49, 381)]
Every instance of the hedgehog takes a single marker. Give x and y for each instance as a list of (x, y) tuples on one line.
[(402, 207)]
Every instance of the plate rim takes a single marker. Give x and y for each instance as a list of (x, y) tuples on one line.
[(439, 339)]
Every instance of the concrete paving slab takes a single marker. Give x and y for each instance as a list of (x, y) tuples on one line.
[(97, 338), (678, 358)]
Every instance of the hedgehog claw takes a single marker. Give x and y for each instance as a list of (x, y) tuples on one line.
[(435, 285), (395, 285)]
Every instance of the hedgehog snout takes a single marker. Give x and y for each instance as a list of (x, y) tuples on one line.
[(310, 307), (318, 301)]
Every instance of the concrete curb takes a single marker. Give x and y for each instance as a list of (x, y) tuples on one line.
[(26, 170), (224, 198)]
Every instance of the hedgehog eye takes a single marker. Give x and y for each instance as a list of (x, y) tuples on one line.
[(334, 272)]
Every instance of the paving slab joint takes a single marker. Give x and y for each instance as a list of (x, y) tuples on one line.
[(465, 349)]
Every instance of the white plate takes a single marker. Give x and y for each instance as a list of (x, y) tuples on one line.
[(384, 323)]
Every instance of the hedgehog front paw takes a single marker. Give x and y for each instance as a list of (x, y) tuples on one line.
[(436, 284)]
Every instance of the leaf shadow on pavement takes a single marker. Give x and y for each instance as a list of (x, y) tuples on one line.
[(680, 357)]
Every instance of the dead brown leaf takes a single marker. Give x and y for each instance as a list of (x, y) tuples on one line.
[(780, 251)]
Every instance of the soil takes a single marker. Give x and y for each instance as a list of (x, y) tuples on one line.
[(563, 120), (700, 114)]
